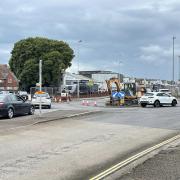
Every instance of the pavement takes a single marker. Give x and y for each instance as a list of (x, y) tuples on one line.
[(18, 122), (163, 166)]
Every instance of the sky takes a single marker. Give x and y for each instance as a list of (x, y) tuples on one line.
[(130, 37)]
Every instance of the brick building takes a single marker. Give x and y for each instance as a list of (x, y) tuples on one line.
[(8, 80)]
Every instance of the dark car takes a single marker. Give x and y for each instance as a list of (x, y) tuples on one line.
[(11, 105)]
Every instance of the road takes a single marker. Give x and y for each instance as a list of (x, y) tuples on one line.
[(81, 147), (164, 165)]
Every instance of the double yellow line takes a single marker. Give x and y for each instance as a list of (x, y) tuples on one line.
[(133, 158)]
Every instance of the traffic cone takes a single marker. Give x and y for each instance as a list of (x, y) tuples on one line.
[(87, 103), (83, 103), (95, 104)]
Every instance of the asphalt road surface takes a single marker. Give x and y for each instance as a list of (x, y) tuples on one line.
[(81, 147), (165, 165)]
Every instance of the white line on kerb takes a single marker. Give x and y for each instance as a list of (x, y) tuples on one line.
[(132, 158)]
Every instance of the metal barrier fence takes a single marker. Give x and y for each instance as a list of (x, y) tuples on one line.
[(54, 92)]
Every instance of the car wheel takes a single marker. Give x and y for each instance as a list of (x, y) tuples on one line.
[(174, 103), (157, 103), (10, 113), (143, 105), (49, 107), (31, 110)]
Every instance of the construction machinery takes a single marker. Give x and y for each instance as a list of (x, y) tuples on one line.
[(132, 91), (118, 86)]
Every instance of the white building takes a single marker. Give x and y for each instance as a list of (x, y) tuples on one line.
[(100, 77), (70, 79)]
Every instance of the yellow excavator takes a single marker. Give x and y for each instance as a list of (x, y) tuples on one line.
[(130, 90), (114, 101)]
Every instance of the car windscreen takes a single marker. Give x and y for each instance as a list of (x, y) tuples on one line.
[(149, 94)]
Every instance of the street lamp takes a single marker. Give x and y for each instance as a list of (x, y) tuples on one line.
[(173, 60), (80, 41), (78, 67), (179, 69), (40, 84)]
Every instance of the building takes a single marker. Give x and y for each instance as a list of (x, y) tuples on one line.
[(8, 80), (129, 80), (100, 77), (70, 79)]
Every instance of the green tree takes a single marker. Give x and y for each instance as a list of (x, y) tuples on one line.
[(24, 61)]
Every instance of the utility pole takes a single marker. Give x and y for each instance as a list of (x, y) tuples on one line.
[(120, 63), (179, 69), (173, 60), (80, 41), (40, 84), (78, 68)]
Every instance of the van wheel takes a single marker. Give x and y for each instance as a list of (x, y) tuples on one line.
[(10, 113)]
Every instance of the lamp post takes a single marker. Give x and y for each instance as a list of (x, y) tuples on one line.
[(120, 63), (80, 41), (173, 60), (179, 69), (78, 67), (40, 84)]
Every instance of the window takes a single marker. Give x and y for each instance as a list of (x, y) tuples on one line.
[(8, 99), (19, 98), (165, 95), (13, 97), (160, 94), (149, 94)]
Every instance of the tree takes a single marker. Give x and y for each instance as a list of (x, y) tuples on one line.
[(24, 62)]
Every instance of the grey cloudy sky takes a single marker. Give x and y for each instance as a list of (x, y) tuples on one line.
[(132, 37)]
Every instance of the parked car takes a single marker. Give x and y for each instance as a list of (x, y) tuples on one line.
[(11, 105), (157, 99), (43, 98)]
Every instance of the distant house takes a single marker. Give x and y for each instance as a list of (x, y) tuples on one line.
[(8, 80)]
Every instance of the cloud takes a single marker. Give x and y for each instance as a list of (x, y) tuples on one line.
[(139, 33), (5, 52), (155, 55)]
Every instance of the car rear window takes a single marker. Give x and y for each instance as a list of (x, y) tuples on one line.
[(2, 97), (41, 95), (149, 94)]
